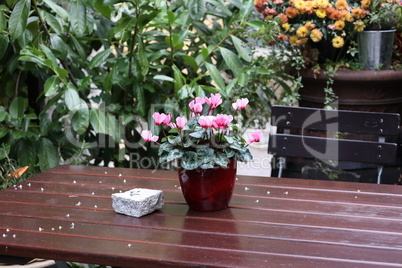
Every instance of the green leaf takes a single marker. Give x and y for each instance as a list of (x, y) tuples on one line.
[(232, 60), (49, 54), (99, 58), (171, 17), (59, 47), (179, 79), (19, 18), (197, 9), (104, 123), (221, 159), (164, 78), (243, 79), (103, 9), (262, 70), (78, 18), (57, 9), (17, 107), (221, 6), (28, 56), (3, 21), (191, 61), (256, 24), (78, 47), (4, 151), (174, 154), (112, 127), (165, 148), (3, 45), (61, 73), (85, 82), (216, 75), (3, 132), (205, 153), (3, 114), (190, 161), (174, 140), (53, 22), (210, 89), (26, 152), (182, 93), (140, 100), (48, 155), (52, 85), (243, 49), (244, 155), (97, 119), (208, 165), (246, 8), (142, 56), (72, 99), (80, 119)]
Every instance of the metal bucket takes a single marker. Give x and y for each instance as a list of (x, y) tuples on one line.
[(375, 49)]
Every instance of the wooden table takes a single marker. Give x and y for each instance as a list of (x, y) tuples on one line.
[(66, 214)]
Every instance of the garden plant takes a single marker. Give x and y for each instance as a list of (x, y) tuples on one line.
[(81, 79)]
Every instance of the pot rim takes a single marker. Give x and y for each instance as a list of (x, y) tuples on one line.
[(356, 75)]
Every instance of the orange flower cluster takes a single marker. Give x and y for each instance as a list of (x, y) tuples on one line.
[(315, 20)]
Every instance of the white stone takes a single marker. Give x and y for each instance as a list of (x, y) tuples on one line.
[(138, 202)]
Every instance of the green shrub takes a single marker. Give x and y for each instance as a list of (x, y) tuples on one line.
[(81, 78)]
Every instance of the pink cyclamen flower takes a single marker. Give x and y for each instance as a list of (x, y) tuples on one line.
[(200, 100), (147, 136), (256, 136), (195, 107), (167, 119), (214, 101), (222, 120), (159, 118), (181, 122), (206, 121), (240, 104)]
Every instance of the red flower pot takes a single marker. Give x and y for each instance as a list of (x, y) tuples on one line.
[(208, 189)]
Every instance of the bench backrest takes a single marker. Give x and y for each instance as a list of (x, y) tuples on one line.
[(296, 124)]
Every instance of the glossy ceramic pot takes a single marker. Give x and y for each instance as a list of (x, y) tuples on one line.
[(208, 189)]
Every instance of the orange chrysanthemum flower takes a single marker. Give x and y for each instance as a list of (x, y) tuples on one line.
[(338, 42), (339, 25), (321, 13), (309, 25), (302, 31), (286, 26), (291, 12), (282, 37), (359, 13), (293, 40), (316, 35), (341, 4), (366, 3), (333, 14), (302, 41), (284, 18)]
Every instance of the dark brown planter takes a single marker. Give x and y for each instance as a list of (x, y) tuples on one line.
[(373, 91)]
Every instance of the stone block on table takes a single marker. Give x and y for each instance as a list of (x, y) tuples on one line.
[(138, 202)]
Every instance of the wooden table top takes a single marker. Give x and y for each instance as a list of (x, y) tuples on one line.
[(66, 214)]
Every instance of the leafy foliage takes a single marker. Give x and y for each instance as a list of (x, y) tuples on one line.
[(81, 78)]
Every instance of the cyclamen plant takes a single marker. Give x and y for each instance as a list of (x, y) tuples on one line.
[(202, 141)]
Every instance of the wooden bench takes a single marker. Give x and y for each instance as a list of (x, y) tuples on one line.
[(334, 136)]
